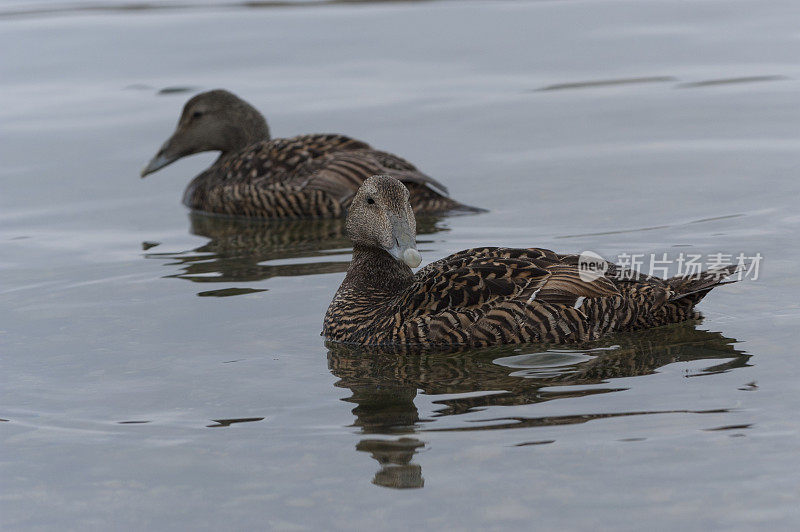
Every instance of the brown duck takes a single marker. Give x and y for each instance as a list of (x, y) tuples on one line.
[(305, 176), (484, 296)]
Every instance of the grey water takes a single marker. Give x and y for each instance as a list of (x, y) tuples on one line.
[(164, 370)]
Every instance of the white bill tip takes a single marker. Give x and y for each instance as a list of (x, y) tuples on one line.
[(412, 257)]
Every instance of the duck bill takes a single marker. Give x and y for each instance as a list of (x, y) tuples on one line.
[(161, 159), (156, 163), (405, 245)]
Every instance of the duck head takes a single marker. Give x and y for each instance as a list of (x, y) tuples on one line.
[(211, 121), (380, 216)]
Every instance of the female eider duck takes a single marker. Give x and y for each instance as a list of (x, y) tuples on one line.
[(485, 296), (298, 177)]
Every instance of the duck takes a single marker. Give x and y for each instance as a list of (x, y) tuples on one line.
[(486, 296), (306, 176)]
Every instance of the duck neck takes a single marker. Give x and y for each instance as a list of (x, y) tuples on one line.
[(373, 270), (247, 127)]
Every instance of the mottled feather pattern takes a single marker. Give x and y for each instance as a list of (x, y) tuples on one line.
[(305, 176), (488, 296)]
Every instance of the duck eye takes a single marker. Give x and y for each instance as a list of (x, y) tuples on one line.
[(197, 114), (370, 201)]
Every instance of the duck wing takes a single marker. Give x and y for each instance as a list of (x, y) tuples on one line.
[(406, 172), (268, 179), (470, 286), (341, 173), (476, 277), (277, 160), (307, 175)]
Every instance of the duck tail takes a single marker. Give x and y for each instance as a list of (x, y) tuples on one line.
[(695, 287), (456, 208)]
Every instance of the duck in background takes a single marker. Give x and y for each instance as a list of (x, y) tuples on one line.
[(306, 176)]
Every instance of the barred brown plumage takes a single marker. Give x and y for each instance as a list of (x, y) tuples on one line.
[(299, 177), (484, 296)]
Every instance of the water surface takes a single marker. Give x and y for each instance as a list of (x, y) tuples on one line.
[(164, 370)]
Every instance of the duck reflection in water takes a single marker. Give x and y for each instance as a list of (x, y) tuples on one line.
[(238, 247), (395, 456), (384, 384)]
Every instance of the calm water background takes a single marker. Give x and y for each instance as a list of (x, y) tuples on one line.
[(165, 371)]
